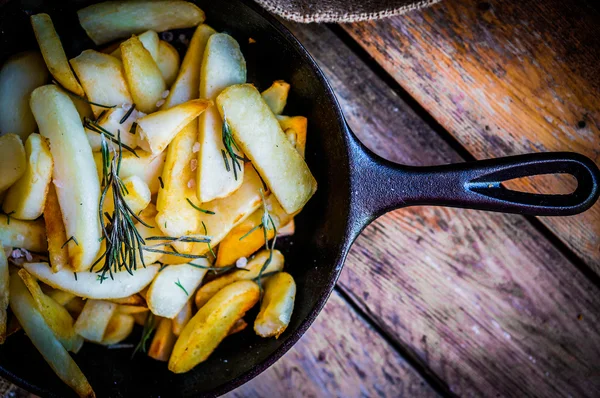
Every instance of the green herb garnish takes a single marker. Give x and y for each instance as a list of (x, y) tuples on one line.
[(72, 238), (133, 127), (208, 243), (81, 97), (178, 283), (8, 217), (162, 184), (266, 220), (229, 144), (75, 275), (149, 327), (127, 114), (92, 125), (198, 208)]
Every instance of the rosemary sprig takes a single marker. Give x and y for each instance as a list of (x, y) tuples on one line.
[(72, 238), (229, 144), (75, 275), (81, 97), (178, 283), (208, 243), (127, 114), (174, 253), (149, 327), (92, 125), (266, 220), (198, 208), (160, 181), (215, 270), (133, 127), (252, 230), (184, 238), (8, 218)]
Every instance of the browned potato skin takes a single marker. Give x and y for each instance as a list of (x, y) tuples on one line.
[(212, 324), (237, 327), (163, 341), (55, 232), (277, 305)]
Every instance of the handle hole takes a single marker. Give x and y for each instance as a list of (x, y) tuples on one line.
[(549, 184)]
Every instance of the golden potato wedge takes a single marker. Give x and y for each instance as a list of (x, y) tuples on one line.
[(94, 319), (4, 281), (252, 270), (14, 160), (56, 235), (29, 235), (172, 287), (168, 62), (211, 324), (146, 166), (238, 326), (182, 318), (20, 75), (155, 131), (295, 128), (137, 195), (109, 20), (75, 306), (26, 198), (102, 78), (60, 296), (118, 329), (223, 64), (277, 305), (163, 341), (54, 54), (56, 316), (260, 136), (87, 284), (42, 337), (74, 172), (276, 96), (150, 42), (140, 318), (83, 107), (187, 84), (131, 309), (111, 122), (143, 76), (134, 299)]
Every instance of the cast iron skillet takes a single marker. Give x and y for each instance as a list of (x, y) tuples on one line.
[(355, 187)]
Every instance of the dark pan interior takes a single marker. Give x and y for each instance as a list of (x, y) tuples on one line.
[(314, 254)]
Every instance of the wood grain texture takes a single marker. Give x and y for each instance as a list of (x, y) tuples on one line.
[(339, 356), (483, 299), (505, 77)]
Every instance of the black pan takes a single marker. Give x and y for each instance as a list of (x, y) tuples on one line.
[(355, 186)]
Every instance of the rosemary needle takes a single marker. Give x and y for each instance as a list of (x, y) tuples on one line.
[(198, 208), (178, 283)]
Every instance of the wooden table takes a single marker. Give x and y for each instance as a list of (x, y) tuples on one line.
[(444, 301)]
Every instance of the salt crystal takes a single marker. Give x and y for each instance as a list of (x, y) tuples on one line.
[(196, 147), (164, 94), (191, 183), (160, 103), (241, 262), (194, 164)]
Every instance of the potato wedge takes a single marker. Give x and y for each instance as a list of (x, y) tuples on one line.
[(207, 291), (150, 42), (134, 299), (87, 284), (211, 324), (260, 136), (295, 128), (94, 319), (75, 306), (182, 318), (163, 341), (137, 195), (276, 96), (111, 122), (223, 64), (140, 318), (29, 235), (277, 305), (287, 230), (187, 84), (26, 198), (83, 107), (56, 316), (238, 326), (157, 130), (60, 296), (42, 337), (143, 76), (168, 62), (4, 285), (74, 173), (118, 329), (102, 78), (54, 54), (14, 160), (111, 20), (146, 232), (146, 166), (130, 309), (20, 75), (172, 287), (56, 235)]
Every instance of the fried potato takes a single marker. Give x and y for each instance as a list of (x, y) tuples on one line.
[(75, 306), (146, 232), (134, 299), (295, 128), (4, 281), (42, 337), (287, 230), (168, 62), (150, 42), (118, 329), (19, 76), (182, 318), (238, 326), (87, 284), (111, 122), (54, 54), (111, 20), (163, 341), (146, 166), (56, 316), (74, 172), (29, 235), (276, 96), (260, 136), (277, 305), (155, 131), (143, 76), (60, 296), (250, 272), (172, 287), (137, 195), (131, 309), (102, 78), (56, 235), (94, 319), (223, 64), (14, 160), (211, 324), (25, 199), (83, 107), (140, 318)]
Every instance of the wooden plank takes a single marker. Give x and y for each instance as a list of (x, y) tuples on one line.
[(339, 356), (483, 299), (505, 77)]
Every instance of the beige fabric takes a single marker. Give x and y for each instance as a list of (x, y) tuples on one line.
[(341, 10)]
